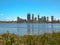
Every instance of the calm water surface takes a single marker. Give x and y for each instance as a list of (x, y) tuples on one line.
[(22, 29)]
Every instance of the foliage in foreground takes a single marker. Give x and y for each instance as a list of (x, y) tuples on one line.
[(44, 39)]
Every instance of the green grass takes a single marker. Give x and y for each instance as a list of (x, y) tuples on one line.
[(44, 39)]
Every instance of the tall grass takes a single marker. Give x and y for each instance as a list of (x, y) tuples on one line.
[(44, 39)]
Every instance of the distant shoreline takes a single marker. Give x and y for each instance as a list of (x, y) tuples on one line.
[(27, 23)]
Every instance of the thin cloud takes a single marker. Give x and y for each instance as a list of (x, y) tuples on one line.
[(1, 14), (11, 19)]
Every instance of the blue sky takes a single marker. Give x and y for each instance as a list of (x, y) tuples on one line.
[(10, 9)]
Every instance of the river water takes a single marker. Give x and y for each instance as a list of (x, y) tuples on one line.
[(25, 28)]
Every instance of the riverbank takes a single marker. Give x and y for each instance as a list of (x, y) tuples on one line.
[(44, 39), (26, 22)]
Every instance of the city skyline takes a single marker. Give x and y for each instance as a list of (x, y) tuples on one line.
[(30, 18), (10, 9)]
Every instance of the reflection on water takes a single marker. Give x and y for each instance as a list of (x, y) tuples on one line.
[(32, 29), (52, 27), (22, 29), (28, 28)]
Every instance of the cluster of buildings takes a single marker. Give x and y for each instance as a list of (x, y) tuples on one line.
[(38, 19)]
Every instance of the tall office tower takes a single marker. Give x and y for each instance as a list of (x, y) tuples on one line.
[(44, 19), (18, 19), (28, 17), (32, 18), (35, 19), (47, 19), (38, 18), (38, 25), (32, 24), (28, 25), (52, 19)]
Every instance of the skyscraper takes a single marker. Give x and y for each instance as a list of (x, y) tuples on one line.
[(32, 18), (44, 19), (28, 25), (28, 17), (52, 19), (38, 18), (47, 19), (32, 24), (18, 19), (35, 18)]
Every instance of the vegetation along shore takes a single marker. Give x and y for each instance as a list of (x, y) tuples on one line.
[(43, 39)]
